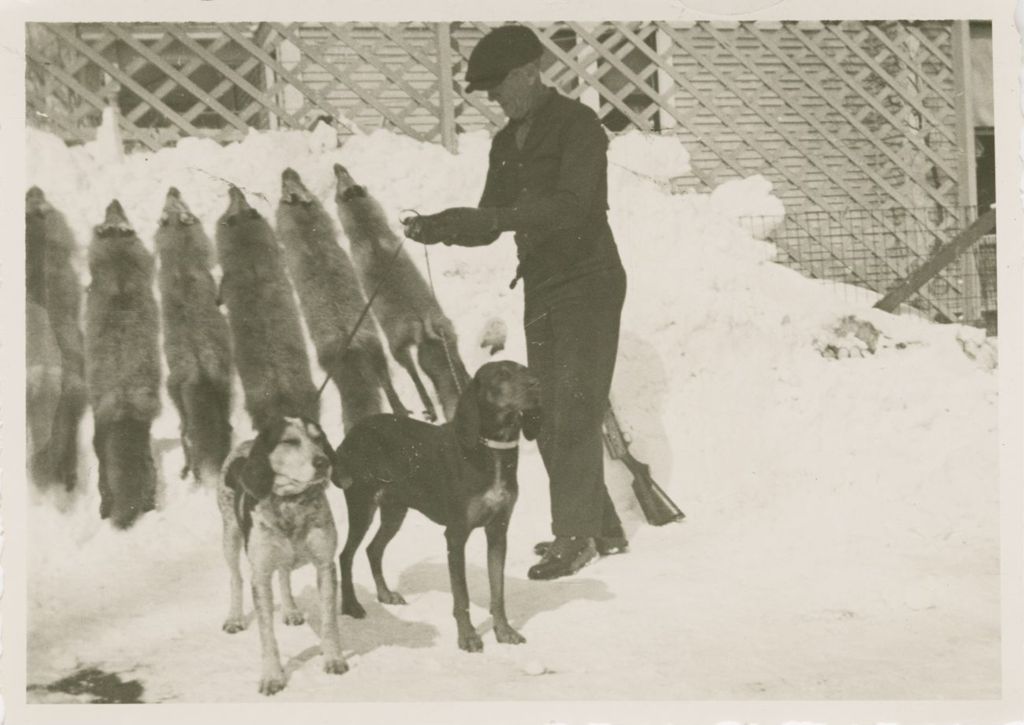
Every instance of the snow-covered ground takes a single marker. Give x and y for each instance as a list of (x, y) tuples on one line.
[(841, 491)]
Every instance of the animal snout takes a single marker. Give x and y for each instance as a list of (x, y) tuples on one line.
[(530, 386)]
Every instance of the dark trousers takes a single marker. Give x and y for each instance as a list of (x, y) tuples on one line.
[(572, 336)]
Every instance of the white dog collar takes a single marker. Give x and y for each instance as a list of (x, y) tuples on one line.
[(499, 445)]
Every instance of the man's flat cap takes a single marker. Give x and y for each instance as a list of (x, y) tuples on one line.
[(498, 52)]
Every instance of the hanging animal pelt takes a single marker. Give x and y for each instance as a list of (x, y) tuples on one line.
[(197, 342), (333, 303), (405, 307), (56, 397), (122, 364), (269, 349)]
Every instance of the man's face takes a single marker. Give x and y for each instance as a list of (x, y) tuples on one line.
[(513, 93)]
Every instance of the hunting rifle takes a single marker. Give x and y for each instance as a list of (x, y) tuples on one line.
[(658, 508)]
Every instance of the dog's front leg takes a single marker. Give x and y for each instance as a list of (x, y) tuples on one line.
[(232, 543), (263, 597), (469, 640), (330, 640), (496, 547), (291, 614)]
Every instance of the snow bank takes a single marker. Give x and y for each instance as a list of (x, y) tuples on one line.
[(838, 467)]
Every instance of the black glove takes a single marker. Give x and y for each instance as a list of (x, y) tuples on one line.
[(451, 225)]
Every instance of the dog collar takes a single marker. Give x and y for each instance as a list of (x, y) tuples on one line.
[(499, 445)]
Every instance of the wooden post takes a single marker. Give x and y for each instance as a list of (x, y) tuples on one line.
[(445, 86), (967, 188), (947, 254), (260, 38), (666, 86)]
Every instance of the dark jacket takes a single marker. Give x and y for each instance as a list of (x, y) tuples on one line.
[(553, 193)]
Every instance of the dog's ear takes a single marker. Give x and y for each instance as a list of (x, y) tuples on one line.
[(467, 415), (233, 475), (531, 420), (257, 475), (318, 435)]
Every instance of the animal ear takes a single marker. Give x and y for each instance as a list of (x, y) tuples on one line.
[(467, 415), (321, 438), (531, 418), (233, 475), (257, 475)]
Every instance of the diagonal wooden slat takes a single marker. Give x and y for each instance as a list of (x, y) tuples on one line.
[(237, 77), (813, 158), (658, 100), (184, 81), (38, 109), (938, 55), (859, 274), (100, 46), (345, 78), (752, 141), (339, 31), (317, 99), (80, 61), (474, 99), (138, 62), (858, 88), (897, 87), (910, 63), (594, 81), (394, 33), (855, 133), (171, 115), (231, 78), (73, 83), (819, 123)]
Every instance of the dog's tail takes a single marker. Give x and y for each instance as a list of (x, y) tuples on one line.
[(127, 476), (207, 426)]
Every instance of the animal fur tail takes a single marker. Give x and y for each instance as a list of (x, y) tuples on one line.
[(127, 475), (53, 304), (207, 439)]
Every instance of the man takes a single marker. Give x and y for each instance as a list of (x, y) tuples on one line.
[(547, 182)]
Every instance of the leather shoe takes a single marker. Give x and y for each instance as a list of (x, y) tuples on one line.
[(566, 555), (606, 545)]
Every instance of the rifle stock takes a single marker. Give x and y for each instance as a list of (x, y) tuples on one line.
[(658, 508)]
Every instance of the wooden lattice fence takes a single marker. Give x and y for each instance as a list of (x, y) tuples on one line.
[(845, 118)]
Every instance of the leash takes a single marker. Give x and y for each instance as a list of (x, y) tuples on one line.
[(444, 338), (366, 310)]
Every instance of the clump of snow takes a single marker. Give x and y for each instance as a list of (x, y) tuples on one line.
[(751, 203), (851, 503)]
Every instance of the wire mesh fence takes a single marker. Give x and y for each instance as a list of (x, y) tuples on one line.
[(865, 253)]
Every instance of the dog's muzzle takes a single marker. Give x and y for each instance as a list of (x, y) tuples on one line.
[(287, 487)]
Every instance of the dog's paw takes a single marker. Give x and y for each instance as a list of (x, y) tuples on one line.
[(294, 618), (233, 625), (353, 609), (506, 635), (272, 685), (335, 666), (471, 642), (390, 598)]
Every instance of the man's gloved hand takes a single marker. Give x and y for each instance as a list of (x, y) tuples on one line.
[(451, 225)]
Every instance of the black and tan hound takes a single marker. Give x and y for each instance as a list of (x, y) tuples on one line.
[(461, 475)]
